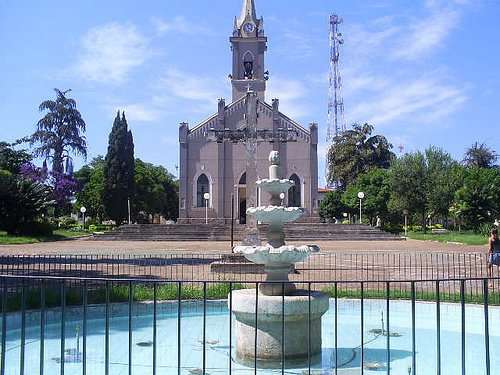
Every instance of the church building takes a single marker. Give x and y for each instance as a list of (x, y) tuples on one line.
[(214, 157)]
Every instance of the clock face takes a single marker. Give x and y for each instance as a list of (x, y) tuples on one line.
[(248, 27)]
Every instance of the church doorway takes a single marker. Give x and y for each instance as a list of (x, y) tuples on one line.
[(243, 211), (242, 199), (294, 193)]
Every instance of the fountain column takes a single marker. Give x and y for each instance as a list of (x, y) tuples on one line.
[(288, 321)]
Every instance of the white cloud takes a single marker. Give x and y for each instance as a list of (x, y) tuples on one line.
[(414, 101), (179, 24), (427, 34), (381, 83), (201, 89), (290, 93), (110, 52), (140, 112)]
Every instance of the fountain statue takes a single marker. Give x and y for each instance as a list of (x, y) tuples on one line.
[(288, 319)]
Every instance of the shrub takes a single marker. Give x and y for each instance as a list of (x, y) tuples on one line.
[(66, 222), (36, 229), (393, 228), (485, 229)]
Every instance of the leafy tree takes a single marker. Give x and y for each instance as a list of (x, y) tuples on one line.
[(119, 170), (444, 178), (155, 191), (355, 152), (22, 203), (12, 160), (331, 206), (408, 179), (90, 179), (480, 156), (375, 184), (478, 201), (424, 183), (59, 132)]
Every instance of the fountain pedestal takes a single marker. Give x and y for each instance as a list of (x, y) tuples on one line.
[(284, 325), (287, 321)]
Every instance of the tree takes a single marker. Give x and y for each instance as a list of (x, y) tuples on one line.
[(444, 178), (59, 132), (155, 191), (480, 156), (478, 200), (375, 184), (22, 202), (90, 179), (424, 183), (118, 170), (355, 152), (331, 206), (408, 179), (12, 160)]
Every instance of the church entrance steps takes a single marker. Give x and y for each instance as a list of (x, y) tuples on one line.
[(217, 232)]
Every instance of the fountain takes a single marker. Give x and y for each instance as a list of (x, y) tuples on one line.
[(288, 319)]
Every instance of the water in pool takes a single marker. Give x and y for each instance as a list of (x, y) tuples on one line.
[(217, 357)]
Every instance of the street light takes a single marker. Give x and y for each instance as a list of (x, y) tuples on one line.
[(361, 196), (406, 212), (282, 197), (206, 196), (83, 210)]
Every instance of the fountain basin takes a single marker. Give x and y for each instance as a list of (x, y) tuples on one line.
[(283, 255), (276, 214), (301, 314), (275, 186)]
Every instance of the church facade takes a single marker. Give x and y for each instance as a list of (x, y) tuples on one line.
[(210, 164)]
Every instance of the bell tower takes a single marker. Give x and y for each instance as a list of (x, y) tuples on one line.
[(249, 45)]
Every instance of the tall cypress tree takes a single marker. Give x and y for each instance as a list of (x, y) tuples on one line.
[(119, 170)]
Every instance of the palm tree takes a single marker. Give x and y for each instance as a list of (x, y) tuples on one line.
[(59, 132), (480, 155), (354, 152)]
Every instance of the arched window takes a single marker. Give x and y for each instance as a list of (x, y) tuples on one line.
[(243, 179), (202, 187), (248, 65), (294, 193)]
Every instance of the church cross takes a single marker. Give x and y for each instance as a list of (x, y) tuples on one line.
[(250, 136)]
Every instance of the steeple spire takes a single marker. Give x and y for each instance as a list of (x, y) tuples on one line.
[(248, 12)]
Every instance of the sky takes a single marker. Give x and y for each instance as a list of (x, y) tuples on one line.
[(422, 72)]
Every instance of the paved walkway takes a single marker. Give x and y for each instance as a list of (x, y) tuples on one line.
[(93, 247)]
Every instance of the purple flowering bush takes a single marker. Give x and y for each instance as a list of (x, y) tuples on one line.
[(63, 186)]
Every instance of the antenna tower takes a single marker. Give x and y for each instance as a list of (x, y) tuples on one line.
[(336, 121)]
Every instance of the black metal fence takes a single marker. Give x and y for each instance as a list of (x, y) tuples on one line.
[(56, 325), (367, 266)]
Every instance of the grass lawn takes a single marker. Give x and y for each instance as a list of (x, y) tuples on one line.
[(466, 238), (60, 234)]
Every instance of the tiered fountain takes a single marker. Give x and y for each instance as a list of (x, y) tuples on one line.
[(277, 298)]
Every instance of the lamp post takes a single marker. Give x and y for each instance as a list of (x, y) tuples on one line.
[(232, 221), (405, 212), (361, 196), (128, 209), (282, 197), (206, 196), (83, 210)]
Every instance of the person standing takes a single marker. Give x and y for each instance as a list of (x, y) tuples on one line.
[(494, 251)]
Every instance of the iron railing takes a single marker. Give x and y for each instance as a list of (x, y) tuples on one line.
[(366, 266), (32, 306)]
